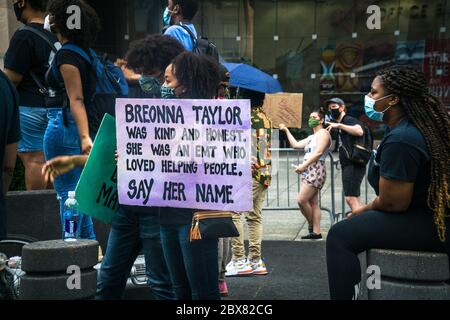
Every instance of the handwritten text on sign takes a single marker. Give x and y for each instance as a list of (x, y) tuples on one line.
[(185, 153)]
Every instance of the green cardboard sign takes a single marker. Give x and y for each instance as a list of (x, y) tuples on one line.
[(96, 191)]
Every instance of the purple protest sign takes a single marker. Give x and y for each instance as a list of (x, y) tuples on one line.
[(184, 153)]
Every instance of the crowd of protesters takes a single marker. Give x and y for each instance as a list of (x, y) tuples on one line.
[(409, 171)]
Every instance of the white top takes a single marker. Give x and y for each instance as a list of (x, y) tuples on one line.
[(311, 147)]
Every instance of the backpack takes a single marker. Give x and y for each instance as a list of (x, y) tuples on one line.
[(202, 45), (110, 84), (361, 147), (52, 98)]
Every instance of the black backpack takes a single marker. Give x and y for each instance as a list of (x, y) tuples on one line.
[(362, 147), (202, 45)]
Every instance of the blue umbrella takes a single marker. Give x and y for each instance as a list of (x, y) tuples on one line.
[(248, 77)]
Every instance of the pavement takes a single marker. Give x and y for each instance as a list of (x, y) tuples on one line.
[(297, 271)]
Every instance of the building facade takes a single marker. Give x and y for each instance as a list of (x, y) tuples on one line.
[(322, 48)]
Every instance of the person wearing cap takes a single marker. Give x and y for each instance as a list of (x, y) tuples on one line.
[(348, 127)]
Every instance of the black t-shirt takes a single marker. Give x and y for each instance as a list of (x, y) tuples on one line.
[(29, 52), (403, 156), (346, 140), (9, 133), (86, 72)]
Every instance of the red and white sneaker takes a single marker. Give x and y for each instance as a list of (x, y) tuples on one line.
[(239, 268), (259, 268)]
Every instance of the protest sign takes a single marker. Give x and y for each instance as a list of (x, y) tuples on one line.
[(96, 191), (185, 153), (284, 108)]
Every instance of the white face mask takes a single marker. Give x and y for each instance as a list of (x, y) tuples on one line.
[(47, 23)]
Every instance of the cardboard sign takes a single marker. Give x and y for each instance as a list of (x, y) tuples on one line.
[(96, 191), (185, 153), (284, 108)]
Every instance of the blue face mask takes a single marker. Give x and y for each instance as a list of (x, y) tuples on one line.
[(369, 107), (166, 17), (150, 85), (168, 93)]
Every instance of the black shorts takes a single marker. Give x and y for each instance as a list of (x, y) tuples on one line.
[(352, 176)]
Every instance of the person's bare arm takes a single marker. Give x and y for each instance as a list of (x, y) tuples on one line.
[(395, 196), (355, 130), (9, 164), (15, 77), (74, 88), (292, 141), (61, 165)]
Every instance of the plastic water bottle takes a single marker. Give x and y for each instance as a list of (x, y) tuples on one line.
[(71, 218)]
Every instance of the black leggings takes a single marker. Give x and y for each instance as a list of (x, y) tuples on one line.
[(375, 230)]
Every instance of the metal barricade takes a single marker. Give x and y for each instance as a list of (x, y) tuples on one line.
[(279, 195)]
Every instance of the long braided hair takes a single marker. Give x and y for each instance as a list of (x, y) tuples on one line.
[(430, 117)]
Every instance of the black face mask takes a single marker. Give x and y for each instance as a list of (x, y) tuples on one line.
[(18, 11), (335, 114)]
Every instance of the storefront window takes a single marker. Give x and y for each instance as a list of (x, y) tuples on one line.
[(344, 55)]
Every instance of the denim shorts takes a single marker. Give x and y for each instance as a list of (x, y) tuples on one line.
[(33, 123)]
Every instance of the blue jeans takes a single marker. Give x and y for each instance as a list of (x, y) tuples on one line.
[(192, 265), (63, 141), (130, 232)]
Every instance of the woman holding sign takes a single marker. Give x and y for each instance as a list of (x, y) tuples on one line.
[(192, 265), (313, 170)]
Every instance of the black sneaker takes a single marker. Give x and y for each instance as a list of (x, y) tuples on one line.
[(313, 236)]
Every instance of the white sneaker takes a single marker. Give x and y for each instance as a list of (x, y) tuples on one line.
[(259, 268), (239, 268)]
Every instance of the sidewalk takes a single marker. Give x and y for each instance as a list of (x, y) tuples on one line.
[(297, 271)]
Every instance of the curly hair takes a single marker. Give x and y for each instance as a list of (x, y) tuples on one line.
[(38, 5), (189, 8), (90, 23), (198, 74), (430, 117), (153, 53)]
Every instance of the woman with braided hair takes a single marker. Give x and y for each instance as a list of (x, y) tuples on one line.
[(410, 174)]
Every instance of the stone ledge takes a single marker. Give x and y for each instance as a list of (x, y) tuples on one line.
[(410, 265), (58, 255), (393, 290)]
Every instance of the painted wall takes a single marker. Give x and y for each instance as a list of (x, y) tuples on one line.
[(8, 25)]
